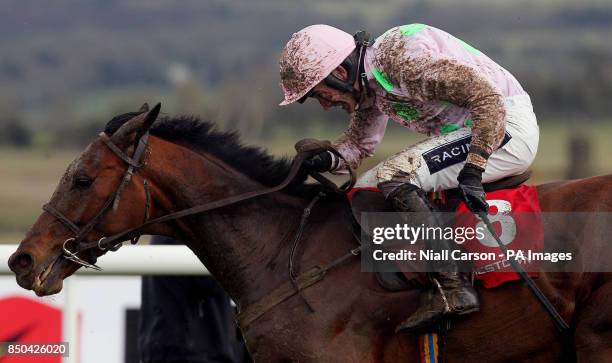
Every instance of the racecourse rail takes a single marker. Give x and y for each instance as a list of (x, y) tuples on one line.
[(133, 261), (127, 261)]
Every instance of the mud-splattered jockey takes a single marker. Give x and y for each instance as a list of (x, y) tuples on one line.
[(481, 120)]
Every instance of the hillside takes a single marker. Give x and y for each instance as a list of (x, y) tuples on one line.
[(76, 62)]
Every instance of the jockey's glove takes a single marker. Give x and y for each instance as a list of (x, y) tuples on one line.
[(320, 162), (470, 186)]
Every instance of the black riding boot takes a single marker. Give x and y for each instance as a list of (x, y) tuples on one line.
[(453, 293)]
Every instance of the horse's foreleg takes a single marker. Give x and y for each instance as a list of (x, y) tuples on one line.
[(594, 326)]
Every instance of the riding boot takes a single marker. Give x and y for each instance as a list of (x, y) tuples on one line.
[(453, 293)]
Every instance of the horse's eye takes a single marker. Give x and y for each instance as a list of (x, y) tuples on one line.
[(82, 182)]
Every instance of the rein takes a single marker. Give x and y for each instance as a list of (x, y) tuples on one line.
[(302, 155), (134, 163), (304, 148)]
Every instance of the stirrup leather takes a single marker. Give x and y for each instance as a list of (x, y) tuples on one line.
[(447, 307)]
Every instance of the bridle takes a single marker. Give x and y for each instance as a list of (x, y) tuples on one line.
[(297, 282), (134, 163), (305, 149)]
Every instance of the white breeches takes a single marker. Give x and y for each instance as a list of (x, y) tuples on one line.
[(434, 164)]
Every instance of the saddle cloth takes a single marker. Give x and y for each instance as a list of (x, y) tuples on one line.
[(514, 213)]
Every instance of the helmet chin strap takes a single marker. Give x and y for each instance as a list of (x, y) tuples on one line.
[(355, 68), (362, 39)]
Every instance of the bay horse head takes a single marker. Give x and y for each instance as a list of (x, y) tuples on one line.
[(85, 205), (125, 178)]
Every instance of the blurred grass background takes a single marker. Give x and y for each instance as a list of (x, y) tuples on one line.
[(30, 176)]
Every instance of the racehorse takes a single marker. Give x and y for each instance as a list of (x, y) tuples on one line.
[(346, 316)]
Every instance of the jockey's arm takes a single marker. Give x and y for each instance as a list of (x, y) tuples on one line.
[(365, 131), (448, 80)]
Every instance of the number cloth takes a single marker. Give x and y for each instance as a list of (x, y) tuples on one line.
[(515, 214)]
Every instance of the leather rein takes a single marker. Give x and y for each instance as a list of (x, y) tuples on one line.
[(77, 244), (294, 286), (134, 163)]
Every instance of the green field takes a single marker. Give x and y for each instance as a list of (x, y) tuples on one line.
[(29, 176), (550, 164), (28, 179)]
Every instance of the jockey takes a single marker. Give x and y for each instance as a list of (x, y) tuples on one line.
[(480, 120)]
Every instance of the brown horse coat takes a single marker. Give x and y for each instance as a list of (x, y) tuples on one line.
[(246, 247)]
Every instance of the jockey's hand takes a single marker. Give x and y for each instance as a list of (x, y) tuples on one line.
[(320, 162), (470, 186)]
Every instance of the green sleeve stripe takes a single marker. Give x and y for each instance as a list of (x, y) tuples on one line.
[(448, 128), (411, 29), (405, 111), (469, 48), (380, 78)]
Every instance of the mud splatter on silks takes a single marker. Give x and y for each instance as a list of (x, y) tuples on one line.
[(365, 131), (425, 88), (298, 69)]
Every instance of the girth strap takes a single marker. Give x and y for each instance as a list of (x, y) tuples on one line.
[(280, 294), (304, 280)]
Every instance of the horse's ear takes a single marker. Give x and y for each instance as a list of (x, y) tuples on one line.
[(149, 119), (144, 107), (133, 129)]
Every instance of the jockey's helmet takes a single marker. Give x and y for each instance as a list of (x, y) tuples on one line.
[(309, 57)]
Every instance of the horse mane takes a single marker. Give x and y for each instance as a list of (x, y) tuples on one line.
[(202, 136)]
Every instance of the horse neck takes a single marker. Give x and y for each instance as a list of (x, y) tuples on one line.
[(242, 244)]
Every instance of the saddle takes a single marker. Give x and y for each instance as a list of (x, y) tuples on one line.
[(366, 200)]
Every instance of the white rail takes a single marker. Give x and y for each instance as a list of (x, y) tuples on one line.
[(133, 261), (127, 261)]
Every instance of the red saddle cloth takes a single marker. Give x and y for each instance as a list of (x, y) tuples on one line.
[(515, 215)]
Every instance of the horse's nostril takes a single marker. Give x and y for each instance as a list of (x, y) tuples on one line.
[(21, 263)]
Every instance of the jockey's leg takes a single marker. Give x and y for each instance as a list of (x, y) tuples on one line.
[(433, 165), (454, 293)]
